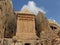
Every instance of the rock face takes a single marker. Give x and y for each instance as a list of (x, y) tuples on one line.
[(43, 27), (24, 28), (42, 24), (7, 19)]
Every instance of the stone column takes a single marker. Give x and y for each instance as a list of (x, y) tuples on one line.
[(49, 43), (18, 43), (0, 41), (8, 42)]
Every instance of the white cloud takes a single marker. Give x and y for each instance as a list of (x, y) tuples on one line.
[(31, 6), (51, 18)]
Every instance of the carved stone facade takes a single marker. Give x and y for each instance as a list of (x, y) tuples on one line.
[(25, 28)]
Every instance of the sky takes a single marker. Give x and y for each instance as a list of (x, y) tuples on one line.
[(51, 8)]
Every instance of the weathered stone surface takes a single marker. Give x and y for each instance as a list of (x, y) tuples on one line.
[(7, 19), (43, 28), (24, 28), (42, 25)]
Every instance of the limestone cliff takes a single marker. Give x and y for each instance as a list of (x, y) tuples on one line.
[(7, 19)]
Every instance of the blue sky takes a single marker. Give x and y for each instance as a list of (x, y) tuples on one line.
[(52, 7)]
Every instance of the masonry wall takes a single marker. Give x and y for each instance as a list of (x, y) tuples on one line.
[(25, 26)]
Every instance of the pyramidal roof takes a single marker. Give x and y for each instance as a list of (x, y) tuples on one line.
[(26, 11)]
